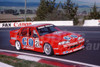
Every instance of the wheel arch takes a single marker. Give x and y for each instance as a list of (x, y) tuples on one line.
[(19, 42), (52, 51), (49, 44)]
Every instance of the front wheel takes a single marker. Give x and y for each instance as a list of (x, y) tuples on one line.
[(18, 45), (48, 49)]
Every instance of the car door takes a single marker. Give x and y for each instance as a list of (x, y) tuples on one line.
[(30, 40), (23, 37), (33, 40)]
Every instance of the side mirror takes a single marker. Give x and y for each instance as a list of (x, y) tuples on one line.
[(35, 35)]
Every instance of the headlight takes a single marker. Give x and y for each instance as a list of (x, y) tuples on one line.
[(63, 42), (80, 38)]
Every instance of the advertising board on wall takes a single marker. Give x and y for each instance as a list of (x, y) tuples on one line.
[(92, 23), (22, 24)]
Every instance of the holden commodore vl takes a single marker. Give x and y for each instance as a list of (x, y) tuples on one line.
[(46, 38)]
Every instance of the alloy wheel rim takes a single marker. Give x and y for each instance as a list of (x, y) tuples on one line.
[(17, 45), (47, 49)]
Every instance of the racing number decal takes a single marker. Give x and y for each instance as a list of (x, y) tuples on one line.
[(37, 43)]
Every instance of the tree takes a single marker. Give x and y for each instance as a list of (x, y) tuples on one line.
[(70, 9), (49, 10), (46, 6), (41, 11), (94, 14), (57, 13)]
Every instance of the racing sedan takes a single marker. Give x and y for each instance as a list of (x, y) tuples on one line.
[(46, 38)]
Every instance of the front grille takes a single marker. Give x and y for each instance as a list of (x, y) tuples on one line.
[(74, 46)]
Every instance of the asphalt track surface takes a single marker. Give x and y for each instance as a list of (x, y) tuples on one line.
[(90, 54)]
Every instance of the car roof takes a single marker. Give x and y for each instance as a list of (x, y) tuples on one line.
[(38, 25)]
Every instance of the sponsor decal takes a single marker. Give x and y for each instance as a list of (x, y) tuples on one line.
[(16, 24), (41, 27), (99, 22), (65, 45), (70, 44), (30, 42), (48, 25), (6, 25), (74, 36), (67, 38), (13, 38), (44, 26), (29, 47), (70, 51), (73, 43), (24, 41), (64, 52), (81, 41)]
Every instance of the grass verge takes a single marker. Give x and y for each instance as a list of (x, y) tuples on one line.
[(21, 63)]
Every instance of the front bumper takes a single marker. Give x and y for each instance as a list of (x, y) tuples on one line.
[(65, 49)]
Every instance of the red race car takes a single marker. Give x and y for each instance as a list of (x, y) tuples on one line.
[(46, 38)]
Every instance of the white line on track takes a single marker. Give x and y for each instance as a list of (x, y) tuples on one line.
[(30, 58), (4, 65), (53, 58)]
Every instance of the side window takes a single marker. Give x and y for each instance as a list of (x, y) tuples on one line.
[(34, 32), (24, 32)]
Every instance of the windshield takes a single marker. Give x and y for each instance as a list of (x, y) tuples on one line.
[(46, 29)]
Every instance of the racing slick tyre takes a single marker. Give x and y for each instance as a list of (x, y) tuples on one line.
[(18, 45), (48, 49)]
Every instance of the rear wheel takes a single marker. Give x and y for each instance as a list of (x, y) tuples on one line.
[(18, 45), (48, 49)]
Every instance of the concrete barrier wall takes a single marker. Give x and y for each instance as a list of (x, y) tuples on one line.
[(22, 24), (92, 23)]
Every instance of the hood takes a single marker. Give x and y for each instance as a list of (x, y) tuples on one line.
[(62, 36)]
